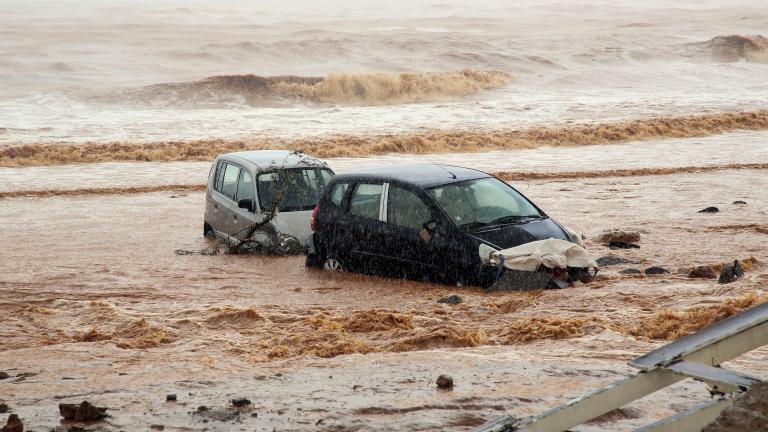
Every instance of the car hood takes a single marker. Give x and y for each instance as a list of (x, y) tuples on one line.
[(511, 235)]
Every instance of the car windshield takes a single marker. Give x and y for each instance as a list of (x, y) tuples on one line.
[(475, 203), (301, 188)]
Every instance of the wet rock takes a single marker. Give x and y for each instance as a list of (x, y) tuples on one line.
[(240, 402), (611, 260), (632, 271), (731, 273), (202, 408), (618, 235), (4, 408), (749, 412), (622, 245), (709, 210), (157, 427), (85, 411), (739, 202), (452, 300), (170, 398), (444, 382), (656, 270), (703, 272), (4, 375), (13, 424)]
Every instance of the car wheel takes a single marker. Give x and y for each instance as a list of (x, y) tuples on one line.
[(207, 230), (333, 263)]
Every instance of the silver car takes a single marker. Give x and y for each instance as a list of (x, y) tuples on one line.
[(243, 188)]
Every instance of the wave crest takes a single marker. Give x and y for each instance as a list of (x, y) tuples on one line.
[(343, 89), (732, 48)]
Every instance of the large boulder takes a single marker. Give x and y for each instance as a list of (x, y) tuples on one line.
[(749, 412)]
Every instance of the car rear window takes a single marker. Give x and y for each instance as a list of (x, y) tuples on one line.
[(366, 200)]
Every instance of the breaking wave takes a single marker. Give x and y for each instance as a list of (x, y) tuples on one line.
[(436, 141), (734, 48), (342, 89)]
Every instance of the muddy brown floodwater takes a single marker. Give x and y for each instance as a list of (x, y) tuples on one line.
[(95, 305)]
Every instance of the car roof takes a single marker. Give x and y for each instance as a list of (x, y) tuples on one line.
[(267, 159), (425, 176)]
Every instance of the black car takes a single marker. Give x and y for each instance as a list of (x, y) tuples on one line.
[(425, 222)]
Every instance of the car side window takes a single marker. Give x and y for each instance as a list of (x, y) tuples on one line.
[(245, 188), (337, 194), (406, 209), (366, 199), (219, 175), (229, 180)]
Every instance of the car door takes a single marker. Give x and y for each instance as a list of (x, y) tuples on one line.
[(363, 227), (407, 243), (243, 218)]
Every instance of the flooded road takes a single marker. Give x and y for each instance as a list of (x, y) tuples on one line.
[(95, 301), (722, 149)]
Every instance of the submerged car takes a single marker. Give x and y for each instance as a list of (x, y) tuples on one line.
[(429, 222), (245, 188)]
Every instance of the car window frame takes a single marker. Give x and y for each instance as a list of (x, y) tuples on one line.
[(253, 183), (223, 172)]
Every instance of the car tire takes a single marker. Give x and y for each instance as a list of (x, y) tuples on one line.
[(333, 263)]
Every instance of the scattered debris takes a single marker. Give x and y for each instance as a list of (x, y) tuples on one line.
[(731, 273), (739, 202), (631, 271), (209, 251), (656, 270), (452, 300), (703, 272), (623, 245), (709, 210), (240, 402), (4, 408), (611, 260), (85, 411), (4, 375), (202, 408), (618, 235), (13, 424), (171, 397), (444, 382), (157, 427)]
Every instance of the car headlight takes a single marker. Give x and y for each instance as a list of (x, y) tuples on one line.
[(574, 236), (485, 252)]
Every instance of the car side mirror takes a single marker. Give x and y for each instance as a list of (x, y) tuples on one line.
[(248, 204)]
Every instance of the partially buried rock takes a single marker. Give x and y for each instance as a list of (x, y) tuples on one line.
[(631, 271), (4, 408), (452, 300), (731, 273), (622, 245), (709, 210), (610, 260), (444, 382), (618, 235), (240, 402), (656, 270), (170, 397), (739, 202), (83, 412), (703, 272), (13, 424), (4, 375)]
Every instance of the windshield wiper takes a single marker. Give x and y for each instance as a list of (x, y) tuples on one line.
[(514, 218)]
